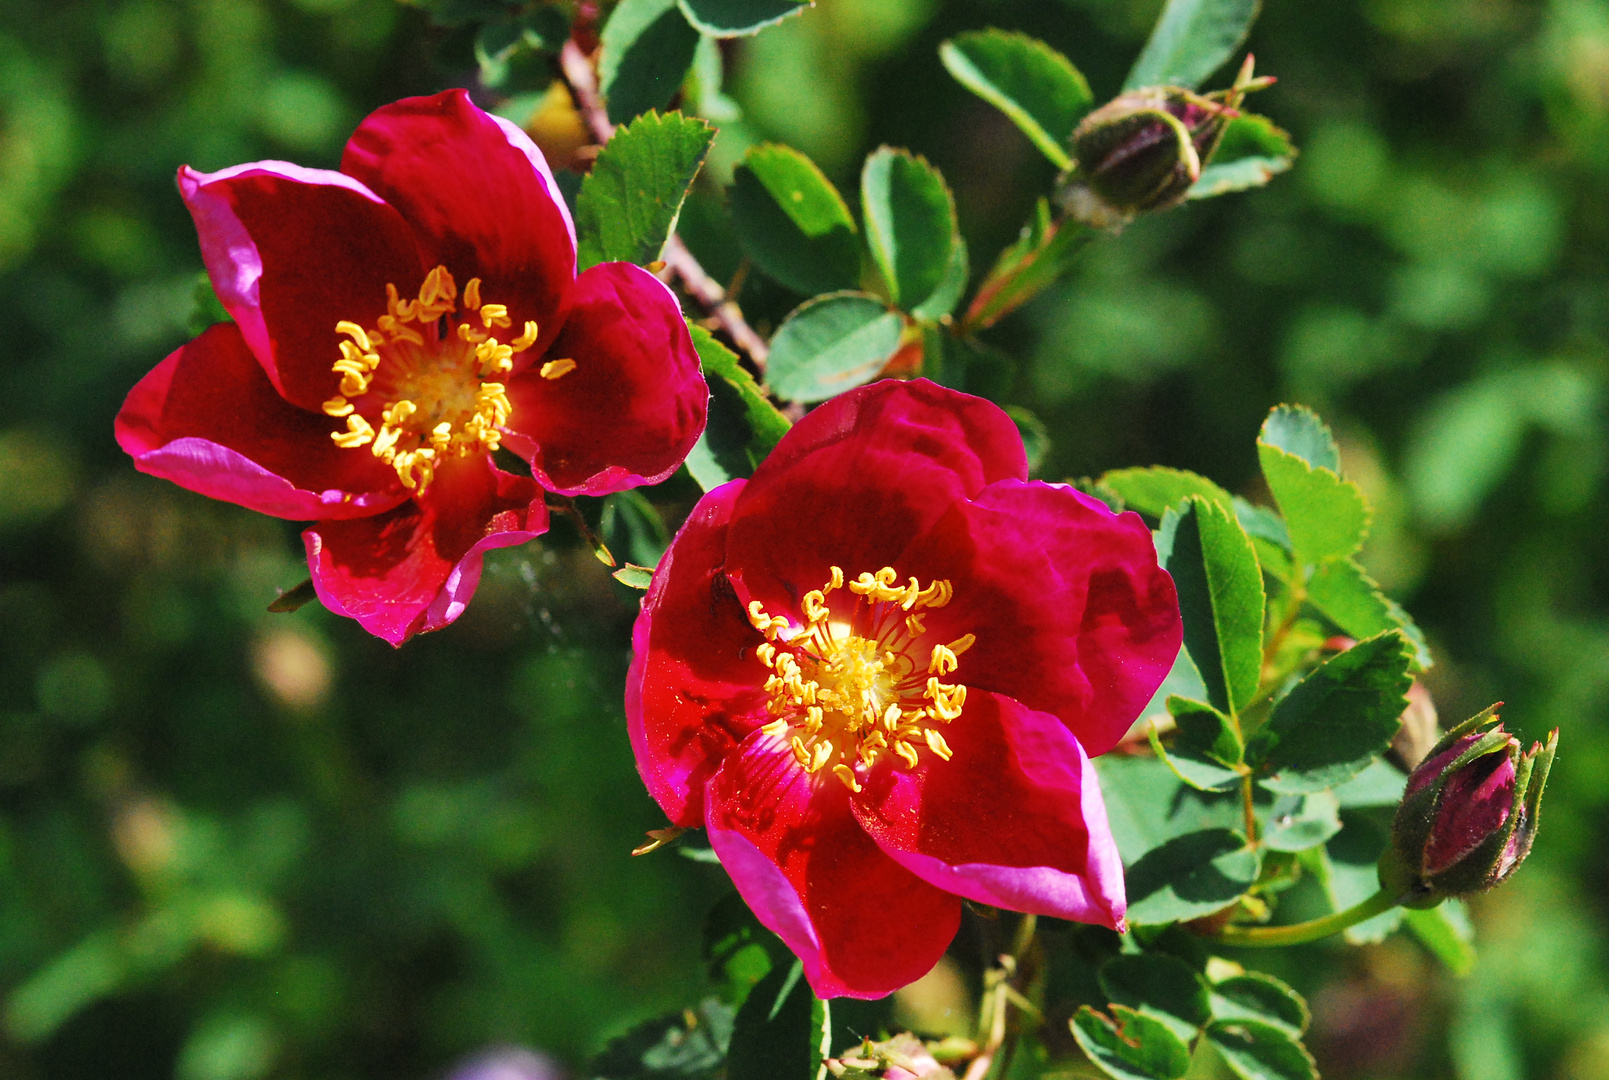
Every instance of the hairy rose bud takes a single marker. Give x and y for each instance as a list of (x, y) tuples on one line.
[(1469, 813), (1142, 151)]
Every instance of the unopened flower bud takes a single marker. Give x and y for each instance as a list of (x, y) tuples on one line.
[(1143, 150), (903, 1057), (1469, 813)]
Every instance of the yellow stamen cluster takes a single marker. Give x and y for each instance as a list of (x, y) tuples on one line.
[(845, 690), (450, 400)]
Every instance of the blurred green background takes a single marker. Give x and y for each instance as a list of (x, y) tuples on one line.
[(237, 845)]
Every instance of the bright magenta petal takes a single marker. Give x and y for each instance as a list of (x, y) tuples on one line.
[(863, 925), (414, 569), (480, 198), (293, 251), (694, 688), (1015, 818), (858, 479), (1072, 614), (634, 404), (208, 419)]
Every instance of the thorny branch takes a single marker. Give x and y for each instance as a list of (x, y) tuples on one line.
[(678, 260)]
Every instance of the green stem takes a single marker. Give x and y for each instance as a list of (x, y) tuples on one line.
[(1301, 933)]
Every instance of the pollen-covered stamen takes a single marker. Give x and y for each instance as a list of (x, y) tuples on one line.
[(439, 389), (856, 682)]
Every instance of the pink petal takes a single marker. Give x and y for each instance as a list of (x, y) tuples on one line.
[(1475, 803), (208, 419), (1014, 819), (630, 411), (415, 568), (693, 691), (862, 925), (293, 251), (480, 198), (1072, 614)]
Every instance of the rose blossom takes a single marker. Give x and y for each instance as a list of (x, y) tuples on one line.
[(877, 671), (395, 323)]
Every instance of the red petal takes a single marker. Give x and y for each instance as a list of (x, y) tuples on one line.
[(863, 925), (858, 479), (208, 419), (1014, 818), (480, 198), (293, 251), (635, 403), (415, 568), (694, 687), (1071, 612)]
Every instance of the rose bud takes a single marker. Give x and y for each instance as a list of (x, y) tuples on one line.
[(1141, 152), (1469, 813)]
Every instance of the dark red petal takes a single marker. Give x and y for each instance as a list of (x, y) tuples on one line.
[(1474, 804), (293, 251), (1072, 614), (855, 481), (1014, 819), (693, 691), (208, 419), (635, 403), (863, 925), (480, 198), (415, 568)]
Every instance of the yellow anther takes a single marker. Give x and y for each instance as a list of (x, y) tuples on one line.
[(837, 578), (775, 729), (527, 338), (385, 443), (913, 624), (357, 433), (822, 754), (936, 743), (814, 606), (891, 717), (358, 335), (472, 294), (337, 406), (766, 653), (963, 643), (800, 754), (553, 369), (470, 334), (907, 753), (943, 660), (847, 775), (494, 315)]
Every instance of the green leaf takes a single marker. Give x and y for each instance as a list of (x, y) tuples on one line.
[(1153, 490), (739, 18), (1381, 784), (942, 300), (1038, 87), (647, 48), (1161, 987), (1330, 726), (1043, 252), (629, 523), (1255, 996), (1147, 805), (1346, 869), (1035, 436), (293, 598), (208, 308), (670, 1047), (782, 1031), (1252, 152), (738, 950), (1346, 595), (830, 344), (628, 203), (792, 222), (1206, 749), (634, 576), (1299, 822), (743, 424), (1258, 1051), (1220, 598), (1192, 39), (1327, 517), (1190, 876), (1447, 933), (1130, 1046), (910, 223), (1298, 430)]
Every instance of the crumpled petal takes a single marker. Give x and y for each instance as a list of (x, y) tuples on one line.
[(693, 691), (208, 419), (1071, 612), (480, 198), (861, 477), (414, 568), (293, 251), (1014, 819), (862, 925), (630, 411)]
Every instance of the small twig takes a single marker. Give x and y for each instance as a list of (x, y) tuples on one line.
[(999, 996), (706, 290)]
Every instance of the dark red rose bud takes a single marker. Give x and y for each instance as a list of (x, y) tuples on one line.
[(1468, 815)]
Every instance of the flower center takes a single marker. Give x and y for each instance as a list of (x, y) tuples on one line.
[(858, 681), (425, 383)]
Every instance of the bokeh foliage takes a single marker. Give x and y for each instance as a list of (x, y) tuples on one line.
[(235, 844)]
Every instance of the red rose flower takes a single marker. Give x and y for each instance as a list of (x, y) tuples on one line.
[(394, 324), (877, 670)]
